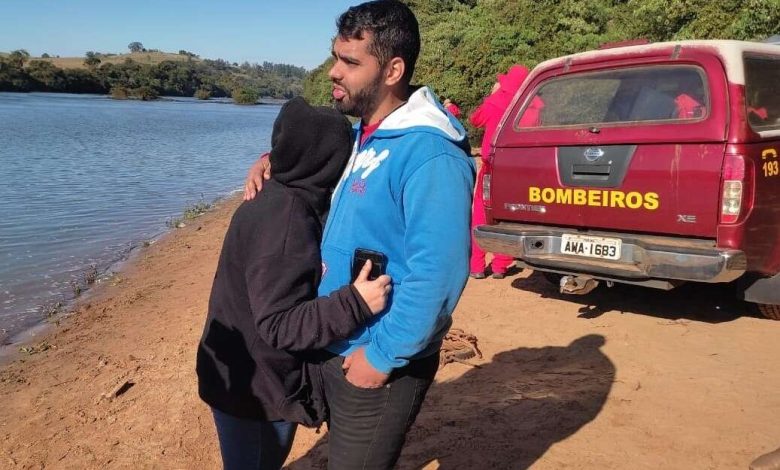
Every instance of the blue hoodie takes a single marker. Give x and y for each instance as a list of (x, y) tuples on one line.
[(406, 192)]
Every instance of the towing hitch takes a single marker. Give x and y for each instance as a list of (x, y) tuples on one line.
[(577, 285)]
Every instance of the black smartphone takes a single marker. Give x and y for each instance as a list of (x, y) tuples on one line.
[(378, 263)]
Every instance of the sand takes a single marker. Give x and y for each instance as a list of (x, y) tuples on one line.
[(623, 378)]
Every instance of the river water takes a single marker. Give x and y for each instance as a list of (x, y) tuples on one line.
[(84, 179)]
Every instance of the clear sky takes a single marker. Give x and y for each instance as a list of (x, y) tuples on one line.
[(294, 32)]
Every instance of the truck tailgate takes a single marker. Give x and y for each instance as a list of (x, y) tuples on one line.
[(651, 188)]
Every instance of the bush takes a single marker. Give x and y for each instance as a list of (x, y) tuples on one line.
[(245, 96), (202, 94), (119, 93), (145, 93)]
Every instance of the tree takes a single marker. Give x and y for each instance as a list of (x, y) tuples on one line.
[(45, 76), (135, 46), (92, 60), (19, 57), (245, 96), (45, 56)]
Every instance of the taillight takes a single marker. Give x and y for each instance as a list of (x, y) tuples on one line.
[(733, 188), (486, 189)]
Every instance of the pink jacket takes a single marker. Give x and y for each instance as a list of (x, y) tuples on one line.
[(490, 112)]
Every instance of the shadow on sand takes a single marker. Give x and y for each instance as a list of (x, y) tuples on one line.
[(711, 303), (506, 413)]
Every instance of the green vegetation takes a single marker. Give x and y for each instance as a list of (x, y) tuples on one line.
[(146, 93), (192, 211), (135, 47), (91, 275), (159, 74), (92, 60), (202, 94), (462, 62), (37, 348), (50, 309), (244, 96), (120, 93)]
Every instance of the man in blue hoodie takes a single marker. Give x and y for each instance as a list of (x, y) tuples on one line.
[(406, 192)]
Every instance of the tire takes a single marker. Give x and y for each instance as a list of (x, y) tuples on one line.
[(769, 311)]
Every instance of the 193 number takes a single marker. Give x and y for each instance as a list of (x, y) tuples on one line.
[(771, 168)]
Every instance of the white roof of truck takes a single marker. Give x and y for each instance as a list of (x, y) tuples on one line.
[(730, 52)]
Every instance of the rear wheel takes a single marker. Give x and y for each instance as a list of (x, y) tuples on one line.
[(769, 311)]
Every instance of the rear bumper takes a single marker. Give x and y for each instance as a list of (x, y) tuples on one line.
[(642, 257)]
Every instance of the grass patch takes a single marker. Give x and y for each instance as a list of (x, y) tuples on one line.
[(35, 349), (191, 211), (140, 57), (90, 277), (50, 309)]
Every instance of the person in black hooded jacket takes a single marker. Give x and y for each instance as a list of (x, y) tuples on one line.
[(256, 362)]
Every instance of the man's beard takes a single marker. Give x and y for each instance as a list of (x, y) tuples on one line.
[(363, 102)]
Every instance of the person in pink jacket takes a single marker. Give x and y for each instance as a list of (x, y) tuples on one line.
[(451, 107), (487, 116)]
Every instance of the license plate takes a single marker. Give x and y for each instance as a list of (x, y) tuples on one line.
[(592, 247)]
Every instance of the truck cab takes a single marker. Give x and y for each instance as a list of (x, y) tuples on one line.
[(652, 164)]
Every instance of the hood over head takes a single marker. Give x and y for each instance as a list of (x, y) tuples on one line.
[(510, 82), (310, 147)]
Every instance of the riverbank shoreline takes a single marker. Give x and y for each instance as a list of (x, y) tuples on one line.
[(26, 339), (622, 377), (127, 334)]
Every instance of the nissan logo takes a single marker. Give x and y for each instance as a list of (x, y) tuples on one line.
[(593, 153)]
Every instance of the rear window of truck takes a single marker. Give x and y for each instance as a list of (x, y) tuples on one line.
[(762, 74), (618, 97)]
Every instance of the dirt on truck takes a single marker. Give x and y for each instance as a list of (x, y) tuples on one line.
[(652, 164)]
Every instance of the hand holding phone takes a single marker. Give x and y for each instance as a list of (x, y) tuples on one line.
[(369, 279), (378, 263)]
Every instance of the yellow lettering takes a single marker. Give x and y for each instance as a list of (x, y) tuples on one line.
[(563, 196), (651, 201), (634, 200), (606, 198), (593, 198), (617, 199)]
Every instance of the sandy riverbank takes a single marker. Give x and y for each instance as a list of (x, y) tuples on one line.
[(621, 378)]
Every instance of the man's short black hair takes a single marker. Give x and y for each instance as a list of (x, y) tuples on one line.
[(393, 26)]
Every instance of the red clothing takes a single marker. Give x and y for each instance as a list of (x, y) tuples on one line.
[(488, 115), (760, 112), (492, 109), (453, 109), (688, 107), (368, 130), (500, 262)]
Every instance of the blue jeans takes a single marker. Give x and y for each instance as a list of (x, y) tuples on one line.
[(251, 444)]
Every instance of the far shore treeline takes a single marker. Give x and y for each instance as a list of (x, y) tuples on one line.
[(147, 74), (465, 43)]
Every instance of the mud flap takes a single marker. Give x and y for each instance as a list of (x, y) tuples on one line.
[(764, 290)]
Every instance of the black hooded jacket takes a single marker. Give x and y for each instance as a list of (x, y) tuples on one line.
[(264, 315)]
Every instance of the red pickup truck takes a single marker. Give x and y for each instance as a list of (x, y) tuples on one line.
[(651, 164)]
